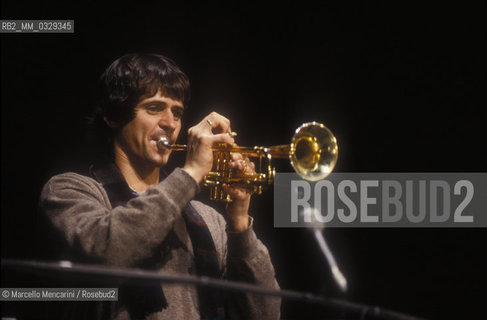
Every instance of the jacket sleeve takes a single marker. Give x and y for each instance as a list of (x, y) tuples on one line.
[(79, 209), (243, 258), (248, 260)]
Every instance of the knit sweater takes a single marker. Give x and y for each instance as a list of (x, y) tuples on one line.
[(151, 227)]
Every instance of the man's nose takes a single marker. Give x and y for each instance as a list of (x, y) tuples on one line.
[(167, 121)]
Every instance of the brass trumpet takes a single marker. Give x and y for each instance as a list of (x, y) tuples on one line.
[(313, 153)]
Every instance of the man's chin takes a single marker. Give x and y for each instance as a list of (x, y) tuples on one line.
[(160, 161)]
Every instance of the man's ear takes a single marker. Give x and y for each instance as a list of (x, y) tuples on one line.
[(112, 124)]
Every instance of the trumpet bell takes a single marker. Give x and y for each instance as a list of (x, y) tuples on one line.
[(313, 151)]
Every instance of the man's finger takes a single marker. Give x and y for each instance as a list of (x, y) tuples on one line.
[(221, 138), (235, 192), (237, 156), (217, 123)]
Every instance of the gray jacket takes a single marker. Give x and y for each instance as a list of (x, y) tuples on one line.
[(151, 227)]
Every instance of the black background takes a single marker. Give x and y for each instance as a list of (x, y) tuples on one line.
[(401, 84)]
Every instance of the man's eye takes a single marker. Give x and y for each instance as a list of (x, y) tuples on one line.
[(154, 108), (178, 114)]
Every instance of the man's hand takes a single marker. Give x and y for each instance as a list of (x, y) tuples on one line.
[(238, 209), (213, 129)]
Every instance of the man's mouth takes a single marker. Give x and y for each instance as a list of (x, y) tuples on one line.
[(162, 142)]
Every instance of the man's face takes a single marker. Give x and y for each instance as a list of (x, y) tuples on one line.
[(154, 117)]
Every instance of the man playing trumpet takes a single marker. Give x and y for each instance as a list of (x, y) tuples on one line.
[(130, 213)]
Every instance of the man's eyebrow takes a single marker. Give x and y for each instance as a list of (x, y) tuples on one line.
[(161, 103), (152, 102)]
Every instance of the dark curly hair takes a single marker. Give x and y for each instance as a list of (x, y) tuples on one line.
[(128, 80)]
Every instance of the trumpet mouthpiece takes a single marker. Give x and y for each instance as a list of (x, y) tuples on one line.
[(163, 143)]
